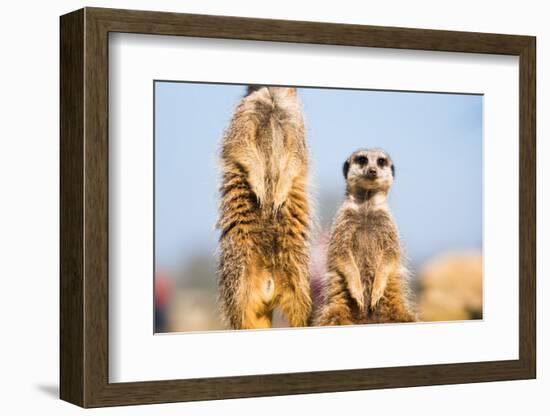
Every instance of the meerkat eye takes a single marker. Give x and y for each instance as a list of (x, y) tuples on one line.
[(382, 162), (361, 160)]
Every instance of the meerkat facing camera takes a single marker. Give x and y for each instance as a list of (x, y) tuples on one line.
[(365, 277), (264, 215)]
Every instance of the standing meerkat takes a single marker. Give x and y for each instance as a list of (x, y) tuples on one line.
[(365, 276), (264, 215)]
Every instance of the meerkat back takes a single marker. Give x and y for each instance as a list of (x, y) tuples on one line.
[(264, 215)]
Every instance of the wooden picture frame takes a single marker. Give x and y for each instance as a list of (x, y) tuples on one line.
[(84, 207)]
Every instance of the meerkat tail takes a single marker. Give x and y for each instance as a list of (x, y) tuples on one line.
[(237, 220)]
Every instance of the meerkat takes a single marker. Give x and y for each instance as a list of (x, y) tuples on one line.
[(365, 276), (264, 217)]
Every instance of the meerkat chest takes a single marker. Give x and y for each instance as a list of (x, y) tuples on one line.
[(375, 234)]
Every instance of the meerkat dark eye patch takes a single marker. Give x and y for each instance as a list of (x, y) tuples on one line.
[(361, 160), (382, 162)]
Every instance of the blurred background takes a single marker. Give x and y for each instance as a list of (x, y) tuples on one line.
[(434, 139)]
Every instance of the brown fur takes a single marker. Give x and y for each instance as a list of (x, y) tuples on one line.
[(264, 214), (365, 278)]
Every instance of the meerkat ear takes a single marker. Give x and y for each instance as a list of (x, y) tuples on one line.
[(253, 88), (346, 168), (393, 170)]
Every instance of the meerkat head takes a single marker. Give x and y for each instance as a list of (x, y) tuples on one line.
[(274, 91), (369, 170)]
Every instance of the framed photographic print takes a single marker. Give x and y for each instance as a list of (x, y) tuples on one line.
[(255, 207)]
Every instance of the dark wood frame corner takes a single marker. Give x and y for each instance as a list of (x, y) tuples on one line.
[(84, 207)]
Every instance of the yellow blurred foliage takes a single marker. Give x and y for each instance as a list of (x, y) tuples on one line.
[(451, 287), (194, 310)]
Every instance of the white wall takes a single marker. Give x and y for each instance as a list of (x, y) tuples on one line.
[(29, 208)]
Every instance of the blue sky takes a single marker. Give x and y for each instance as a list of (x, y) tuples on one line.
[(434, 139)]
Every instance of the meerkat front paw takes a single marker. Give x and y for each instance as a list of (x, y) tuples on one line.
[(356, 292), (377, 294), (348, 268), (282, 189)]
